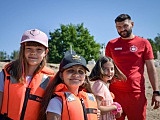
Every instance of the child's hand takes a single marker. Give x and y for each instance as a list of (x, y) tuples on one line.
[(118, 115), (118, 111)]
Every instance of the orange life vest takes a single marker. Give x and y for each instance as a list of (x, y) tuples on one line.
[(22, 101), (80, 107)]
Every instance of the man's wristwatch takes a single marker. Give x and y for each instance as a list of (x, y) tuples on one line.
[(156, 93)]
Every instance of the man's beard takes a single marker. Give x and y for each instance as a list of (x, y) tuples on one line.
[(125, 33)]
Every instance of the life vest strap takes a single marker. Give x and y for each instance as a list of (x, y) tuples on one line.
[(91, 110), (84, 109), (4, 117), (25, 103), (35, 98)]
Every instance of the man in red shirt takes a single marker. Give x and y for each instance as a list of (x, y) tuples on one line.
[(131, 53)]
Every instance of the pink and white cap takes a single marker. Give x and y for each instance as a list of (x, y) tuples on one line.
[(35, 35)]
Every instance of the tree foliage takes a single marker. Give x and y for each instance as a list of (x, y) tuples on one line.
[(153, 47), (72, 36), (14, 55), (155, 44), (157, 41), (3, 55)]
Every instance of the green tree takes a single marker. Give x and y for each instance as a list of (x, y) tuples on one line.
[(14, 55), (157, 41), (3, 55), (75, 36), (154, 47)]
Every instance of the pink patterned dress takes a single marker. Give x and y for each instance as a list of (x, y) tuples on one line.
[(100, 88)]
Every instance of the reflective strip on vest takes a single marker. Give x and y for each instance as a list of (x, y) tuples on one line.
[(44, 82), (12, 80), (90, 96), (69, 96)]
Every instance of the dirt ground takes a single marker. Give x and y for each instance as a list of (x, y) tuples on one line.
[(151, 113)]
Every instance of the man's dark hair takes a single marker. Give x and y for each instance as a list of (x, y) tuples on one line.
[(122, 17)]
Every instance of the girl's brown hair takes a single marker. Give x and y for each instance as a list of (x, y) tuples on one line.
[(50, 90), (97, 71), (19, 67)]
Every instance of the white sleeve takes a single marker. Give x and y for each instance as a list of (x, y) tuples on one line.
[(55, 105), (1, 81)]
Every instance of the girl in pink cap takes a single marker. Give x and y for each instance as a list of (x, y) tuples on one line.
[(24, 81), (104, 73)]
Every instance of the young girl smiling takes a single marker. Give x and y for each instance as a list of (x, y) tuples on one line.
[(103, 73)]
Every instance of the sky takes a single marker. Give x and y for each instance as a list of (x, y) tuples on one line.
[(17, 16)]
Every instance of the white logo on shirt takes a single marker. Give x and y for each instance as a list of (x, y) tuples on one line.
[(120, 48), (133, 48)]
